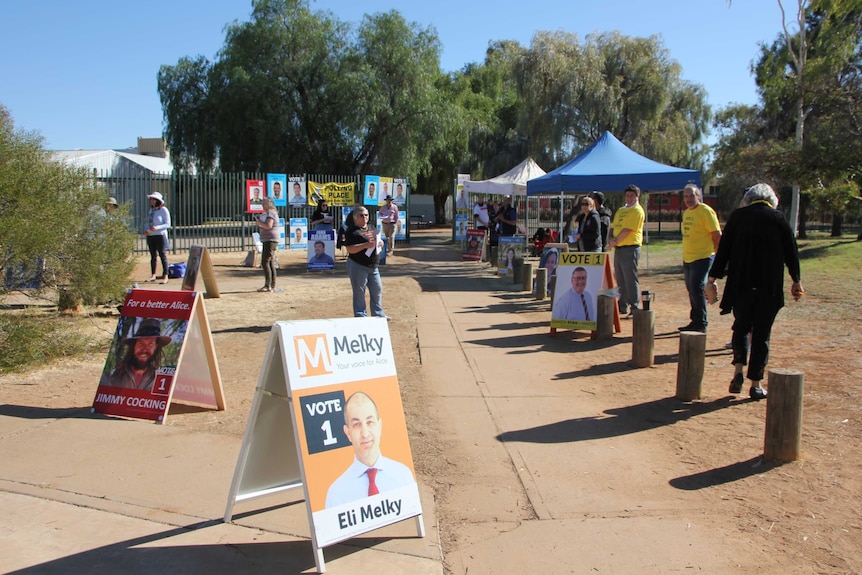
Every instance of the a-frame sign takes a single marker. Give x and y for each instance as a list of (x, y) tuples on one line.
[(162, 351), (325, 391)]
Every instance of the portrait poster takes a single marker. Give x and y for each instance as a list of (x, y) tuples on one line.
[(387, 188), (578, 281), (550, 259), (341, 373), (281, 234), (142, 361), (474, 246), (335, 193), (276, 184), (400, 226), (296, 191), (460, 227), (509, 248), (461, 202), (298, 233), (321, 250), (371, 192), (402, 190), (345, 212), (255, 191)]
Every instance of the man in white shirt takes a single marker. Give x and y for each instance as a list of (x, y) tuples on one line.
[(480, 215)]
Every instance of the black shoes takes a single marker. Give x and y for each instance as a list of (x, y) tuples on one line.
[(757, 393), (693, 327), (736, 384)]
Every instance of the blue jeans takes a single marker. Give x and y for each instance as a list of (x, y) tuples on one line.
[(626, 271), (695, 280), (360, 277)]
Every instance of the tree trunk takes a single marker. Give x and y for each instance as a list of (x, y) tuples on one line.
[(440, 207), (837, 222)]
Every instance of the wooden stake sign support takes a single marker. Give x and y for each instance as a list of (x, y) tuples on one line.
[(325, 387), (199, 261)]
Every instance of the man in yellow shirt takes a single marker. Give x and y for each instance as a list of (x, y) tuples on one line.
[(627, 231), (700, 236)]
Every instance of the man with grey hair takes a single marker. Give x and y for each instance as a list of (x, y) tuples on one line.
[(700, 236), (756, 246)]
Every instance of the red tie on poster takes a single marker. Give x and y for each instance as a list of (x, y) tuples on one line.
[(372, 486)]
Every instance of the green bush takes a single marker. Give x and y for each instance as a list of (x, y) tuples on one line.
[(53, 213)]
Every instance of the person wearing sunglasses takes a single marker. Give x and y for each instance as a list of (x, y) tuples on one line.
[(363, 256)]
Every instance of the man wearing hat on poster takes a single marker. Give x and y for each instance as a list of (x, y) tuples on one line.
[(137, 368), (388, 215)]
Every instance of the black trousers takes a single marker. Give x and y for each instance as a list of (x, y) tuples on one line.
[(156, 245), (753, 315)]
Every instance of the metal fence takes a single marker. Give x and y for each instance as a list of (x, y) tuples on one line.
[(207, 210)]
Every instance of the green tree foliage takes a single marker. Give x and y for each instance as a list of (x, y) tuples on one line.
[(300, 91), (573, 92), (53, 213), (804, 134)]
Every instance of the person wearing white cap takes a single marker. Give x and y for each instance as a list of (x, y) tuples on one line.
[(158, 224)]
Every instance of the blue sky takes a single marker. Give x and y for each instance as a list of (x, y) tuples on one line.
[(83, 72)]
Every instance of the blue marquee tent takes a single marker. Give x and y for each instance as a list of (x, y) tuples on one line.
[(608, 165)]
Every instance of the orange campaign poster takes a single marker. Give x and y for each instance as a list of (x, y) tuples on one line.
[(350, 427), (158, 332)]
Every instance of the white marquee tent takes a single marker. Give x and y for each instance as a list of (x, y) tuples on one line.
[(513, 182)]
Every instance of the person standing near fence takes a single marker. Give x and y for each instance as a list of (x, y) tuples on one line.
[(388, 216), (269, 230), (362, 260), (627, 230), (158, 224), (605, 217)]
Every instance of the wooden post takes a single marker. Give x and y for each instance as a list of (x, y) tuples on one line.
[(783, 435), (643, 331), (493, 258), (517, 269), (527, 276), (689, 367), (541, 284), (605, 321)]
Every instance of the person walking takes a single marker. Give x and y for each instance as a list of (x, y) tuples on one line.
[(158, 224), (269, 230), (388, 215), (627, 230), (363, 257), (700, 236), (756, 245)]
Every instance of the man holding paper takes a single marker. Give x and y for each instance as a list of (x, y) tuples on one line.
[(363, 254)]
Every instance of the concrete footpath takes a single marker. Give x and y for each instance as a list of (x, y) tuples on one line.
[(96, 495)]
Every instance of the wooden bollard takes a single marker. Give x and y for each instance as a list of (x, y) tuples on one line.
[(541, 284), (527, 276), (643, 340), (605, 321), (689, 368), (783, 437), (492, 259), (517, 268)]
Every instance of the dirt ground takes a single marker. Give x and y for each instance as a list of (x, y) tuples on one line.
[(810, 509)]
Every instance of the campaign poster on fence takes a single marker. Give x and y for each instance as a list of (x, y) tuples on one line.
[(321, 250), (387, 188), (475, 245), (142, 360), (371, 197), (255, 191), (577, 285), (460, 227), (350, 426), (298, 233), (277, 186), (509, 248), (335, 193), (296, 191), (402, 188)]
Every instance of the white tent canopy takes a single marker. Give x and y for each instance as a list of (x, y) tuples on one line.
[(513, 182)]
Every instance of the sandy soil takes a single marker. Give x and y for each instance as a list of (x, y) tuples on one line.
[(809, 510)]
